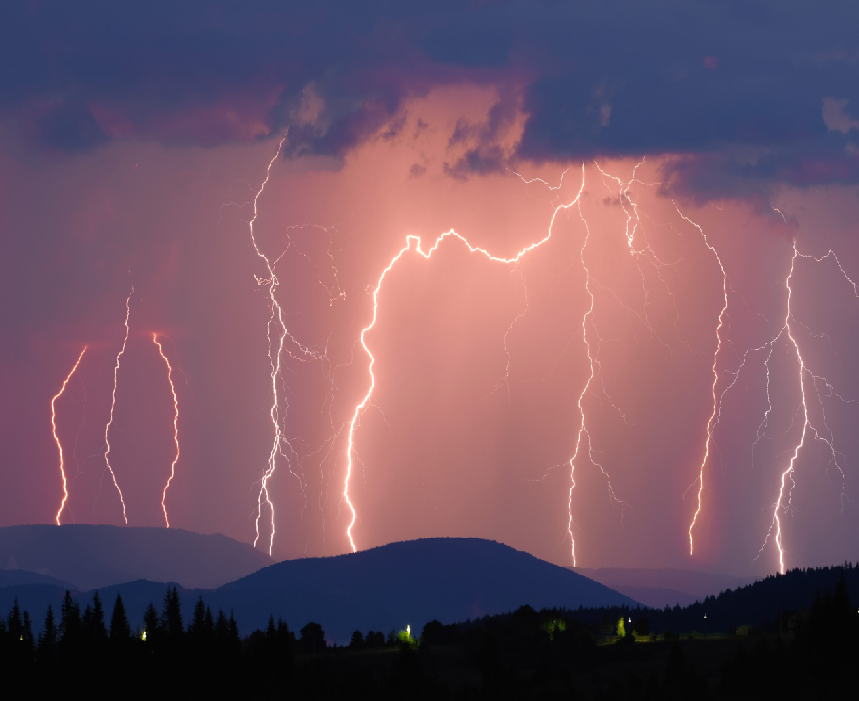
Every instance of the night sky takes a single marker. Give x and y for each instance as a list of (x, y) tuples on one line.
[(668, 157)]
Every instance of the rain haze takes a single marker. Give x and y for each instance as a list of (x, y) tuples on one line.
[(581, 280)]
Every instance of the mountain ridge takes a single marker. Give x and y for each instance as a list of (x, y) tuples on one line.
[(94, 556)]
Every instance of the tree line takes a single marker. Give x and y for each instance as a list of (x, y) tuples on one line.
[(523, 654)]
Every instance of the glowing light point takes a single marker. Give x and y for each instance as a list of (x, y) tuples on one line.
[(57, 439)]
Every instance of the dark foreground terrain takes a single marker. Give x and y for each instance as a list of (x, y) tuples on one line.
[(808, 653)]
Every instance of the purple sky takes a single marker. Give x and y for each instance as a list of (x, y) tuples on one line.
[(132, 147)]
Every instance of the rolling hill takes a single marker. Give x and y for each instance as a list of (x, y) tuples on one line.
[(92, 557), (658, 587), (385, 588), (411, 582)]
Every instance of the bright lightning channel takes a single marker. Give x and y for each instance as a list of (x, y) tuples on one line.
[(275, 361), (805, 372), (56, 437), (715, 397), (175, 427), (414, 243), (113, 405)]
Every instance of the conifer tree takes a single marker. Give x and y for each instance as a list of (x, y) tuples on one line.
[(171, 618), (235, 640), (70, 622), (99, 632), (15, 627), (209, 624), (86, 625), (120, 631), (27, 635), (197, 629), (222, 628), (48, 638), (151, 625)]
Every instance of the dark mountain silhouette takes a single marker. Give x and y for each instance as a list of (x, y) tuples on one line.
[(11, 578), (413, 582), (660, 587), (91, 557), (386, 588)]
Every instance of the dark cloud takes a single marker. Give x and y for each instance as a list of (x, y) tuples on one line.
[(712, 81)]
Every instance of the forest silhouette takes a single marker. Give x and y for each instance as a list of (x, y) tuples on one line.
[(616, 653)]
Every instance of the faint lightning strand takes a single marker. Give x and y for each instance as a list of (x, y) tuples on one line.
[(275, 362), (175, 427), (56, 438), (113, 405), (715, 409), (414, 243)]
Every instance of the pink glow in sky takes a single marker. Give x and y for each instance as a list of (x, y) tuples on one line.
[(479, 365)]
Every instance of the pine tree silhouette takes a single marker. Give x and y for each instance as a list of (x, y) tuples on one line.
[(26, 637), (222, 629), (70, 626), (120, 631), (235, 642), (98, 631), (151, 626), (47, 650), (15, 626), (171, 618)]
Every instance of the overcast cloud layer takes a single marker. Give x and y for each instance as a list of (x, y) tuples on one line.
[(741, 91)]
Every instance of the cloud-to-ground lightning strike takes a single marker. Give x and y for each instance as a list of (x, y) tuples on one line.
[(175, 428), (582, 426), (715, 407), (278, 340), (56, 437), (275, 361), (802, 370), (414, 243), (113, 405), (785, 491), (276, 311)]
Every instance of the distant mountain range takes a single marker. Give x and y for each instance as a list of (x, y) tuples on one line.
[(662, 587), (92, 557), (385, 588)]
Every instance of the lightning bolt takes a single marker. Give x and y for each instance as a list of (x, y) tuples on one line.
[(414, 243), (789, 471), (275, 360), (582, 427), (276, 311), (113, 405), (175, 427), (715, 397), (805, 373), (57, 439)]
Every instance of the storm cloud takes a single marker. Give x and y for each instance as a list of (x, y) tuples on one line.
[(754, 92)]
